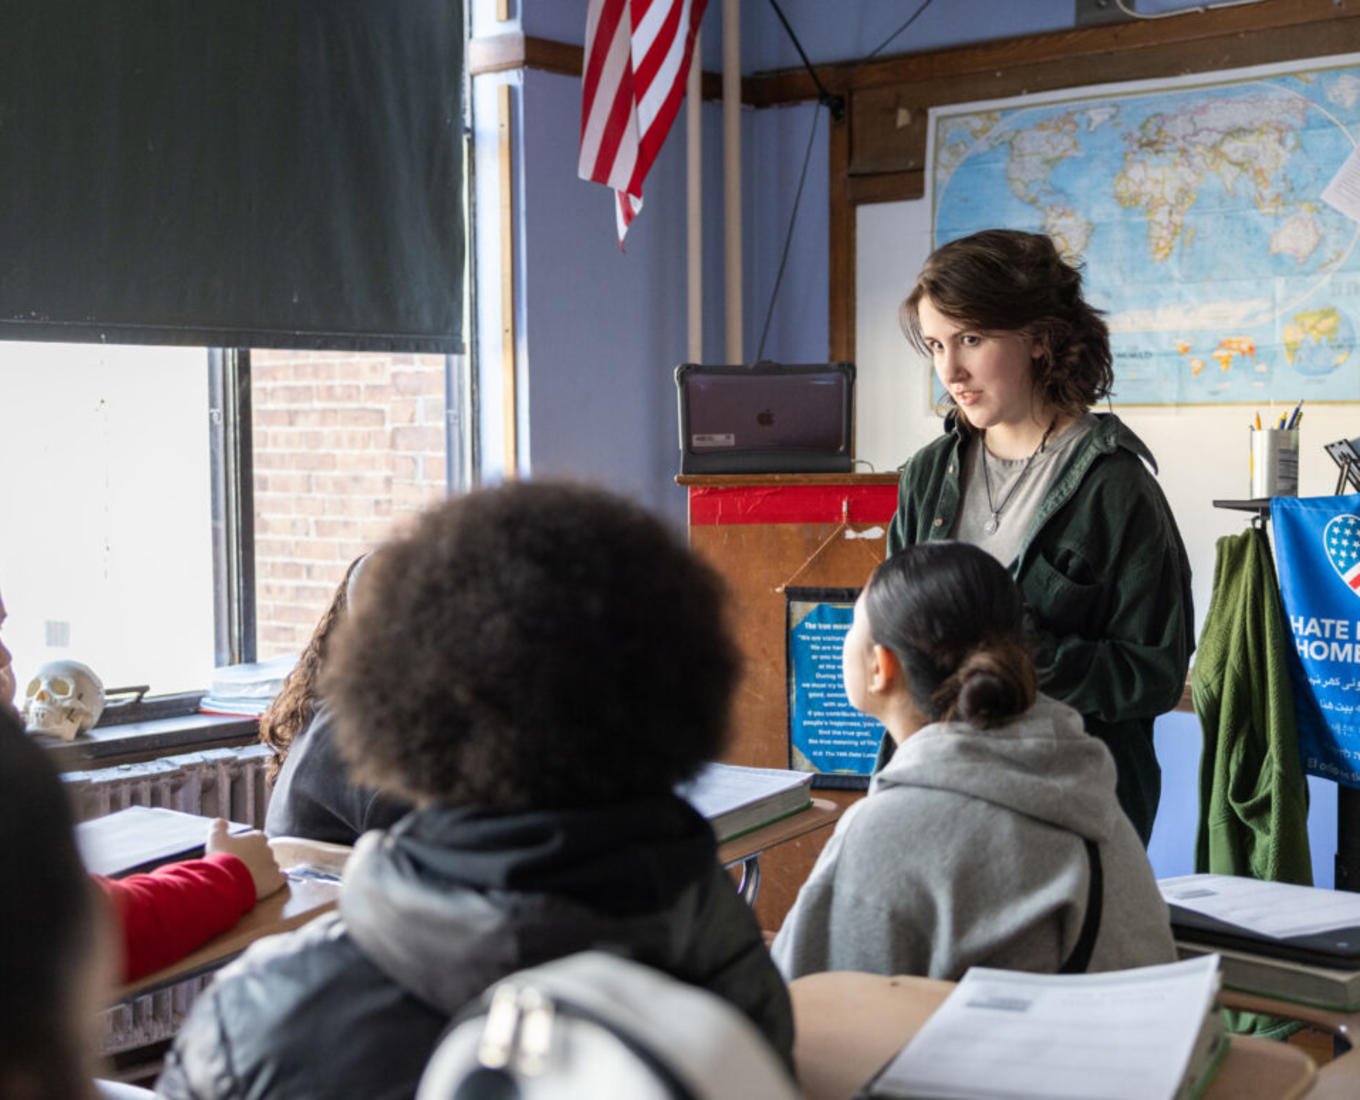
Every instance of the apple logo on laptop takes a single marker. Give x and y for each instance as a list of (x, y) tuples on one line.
[(765, 419)]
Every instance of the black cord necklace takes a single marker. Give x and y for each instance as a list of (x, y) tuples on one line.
[(995, 522)]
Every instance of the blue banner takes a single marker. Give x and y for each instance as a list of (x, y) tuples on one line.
[(1317, 542)]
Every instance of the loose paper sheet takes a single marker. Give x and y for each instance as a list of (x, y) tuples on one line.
[(1277, 909), (1343, 192)]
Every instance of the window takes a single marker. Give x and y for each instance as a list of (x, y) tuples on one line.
[(105, 551), (345, 445), (169, 509)]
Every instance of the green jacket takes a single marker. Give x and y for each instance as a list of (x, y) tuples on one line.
[(1106, 581), (1253, 799)]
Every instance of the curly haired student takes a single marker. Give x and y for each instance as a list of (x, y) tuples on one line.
[(535, 666), (313, 795), (1061, 496)]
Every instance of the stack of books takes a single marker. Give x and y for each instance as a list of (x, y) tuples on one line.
[(1151, 1033), (737, 800), (247, 689)]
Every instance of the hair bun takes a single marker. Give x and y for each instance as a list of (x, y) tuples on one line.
[(993, 684)]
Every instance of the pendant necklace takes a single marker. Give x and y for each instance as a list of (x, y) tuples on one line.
[(994, 523)]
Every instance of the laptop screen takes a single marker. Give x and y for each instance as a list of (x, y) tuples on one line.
[(768, 411)]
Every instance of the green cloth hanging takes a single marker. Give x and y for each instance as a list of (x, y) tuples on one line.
[(1253, 807), (1253, 803)]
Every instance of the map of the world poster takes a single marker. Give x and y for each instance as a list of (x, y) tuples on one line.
[(1196, 212)]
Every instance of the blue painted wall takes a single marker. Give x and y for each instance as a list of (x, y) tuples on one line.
[(606, 328), (1172, 849)]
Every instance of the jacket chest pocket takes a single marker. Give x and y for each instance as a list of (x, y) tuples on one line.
[(1065, 595)]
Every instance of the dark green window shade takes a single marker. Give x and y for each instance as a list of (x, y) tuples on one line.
[(258, 173)]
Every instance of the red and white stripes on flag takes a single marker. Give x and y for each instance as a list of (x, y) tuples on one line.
[(1352, 576), (637, 57)]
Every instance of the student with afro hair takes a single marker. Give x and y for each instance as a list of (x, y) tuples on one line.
[(535, 667)]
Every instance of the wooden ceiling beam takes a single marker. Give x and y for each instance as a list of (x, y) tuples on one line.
[(1214, 30)]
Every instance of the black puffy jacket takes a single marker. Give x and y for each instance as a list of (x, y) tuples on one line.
[(445, 904)]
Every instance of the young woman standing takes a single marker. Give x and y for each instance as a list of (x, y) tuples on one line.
[(1061, 496)]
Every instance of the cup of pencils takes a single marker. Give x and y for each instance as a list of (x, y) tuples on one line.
[(1275, 456)]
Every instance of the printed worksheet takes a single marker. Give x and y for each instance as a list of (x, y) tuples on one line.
[(1277, 909)]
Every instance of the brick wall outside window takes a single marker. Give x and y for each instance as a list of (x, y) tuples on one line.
[(347, 445)]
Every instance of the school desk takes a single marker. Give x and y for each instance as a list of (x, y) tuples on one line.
[(305, 898), (1336, 1079), (745, 850), (299, 901), (748, 848), (848, 1025)]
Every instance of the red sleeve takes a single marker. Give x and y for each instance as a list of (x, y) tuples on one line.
[(175, 908)]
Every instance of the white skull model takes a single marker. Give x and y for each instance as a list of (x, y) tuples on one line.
[(65, 698)]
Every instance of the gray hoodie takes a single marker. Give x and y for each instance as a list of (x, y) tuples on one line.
[(969, 851)]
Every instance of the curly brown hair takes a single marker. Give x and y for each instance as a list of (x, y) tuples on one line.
[(295, 703), (540, 645), (1003, 280)]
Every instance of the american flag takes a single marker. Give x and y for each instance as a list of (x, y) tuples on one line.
[(637, 57), (1343, 548)]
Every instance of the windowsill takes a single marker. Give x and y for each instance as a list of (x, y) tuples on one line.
[(105, 746)]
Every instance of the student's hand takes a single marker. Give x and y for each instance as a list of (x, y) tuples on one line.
[(253, 850)]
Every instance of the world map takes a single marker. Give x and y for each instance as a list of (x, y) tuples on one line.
[(1196, 214)]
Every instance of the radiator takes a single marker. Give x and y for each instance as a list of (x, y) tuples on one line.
[(226, 783)]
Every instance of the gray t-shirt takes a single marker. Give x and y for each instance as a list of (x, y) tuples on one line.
[(1021, 492)]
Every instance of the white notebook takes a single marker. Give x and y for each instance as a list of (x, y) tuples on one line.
[(1142, 1034), (141, 837)]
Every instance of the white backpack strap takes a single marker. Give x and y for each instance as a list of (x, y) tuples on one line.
[(606, 1025)]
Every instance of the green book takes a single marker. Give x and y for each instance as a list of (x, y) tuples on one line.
[(736, 799)]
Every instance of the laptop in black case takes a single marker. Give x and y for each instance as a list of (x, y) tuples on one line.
[(766, 418), (1338, 948)]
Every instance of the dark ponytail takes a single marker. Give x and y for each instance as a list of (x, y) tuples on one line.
[(954, 619), (994, 683)]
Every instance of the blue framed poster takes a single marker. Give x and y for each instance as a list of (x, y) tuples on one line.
[(827, 736)]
